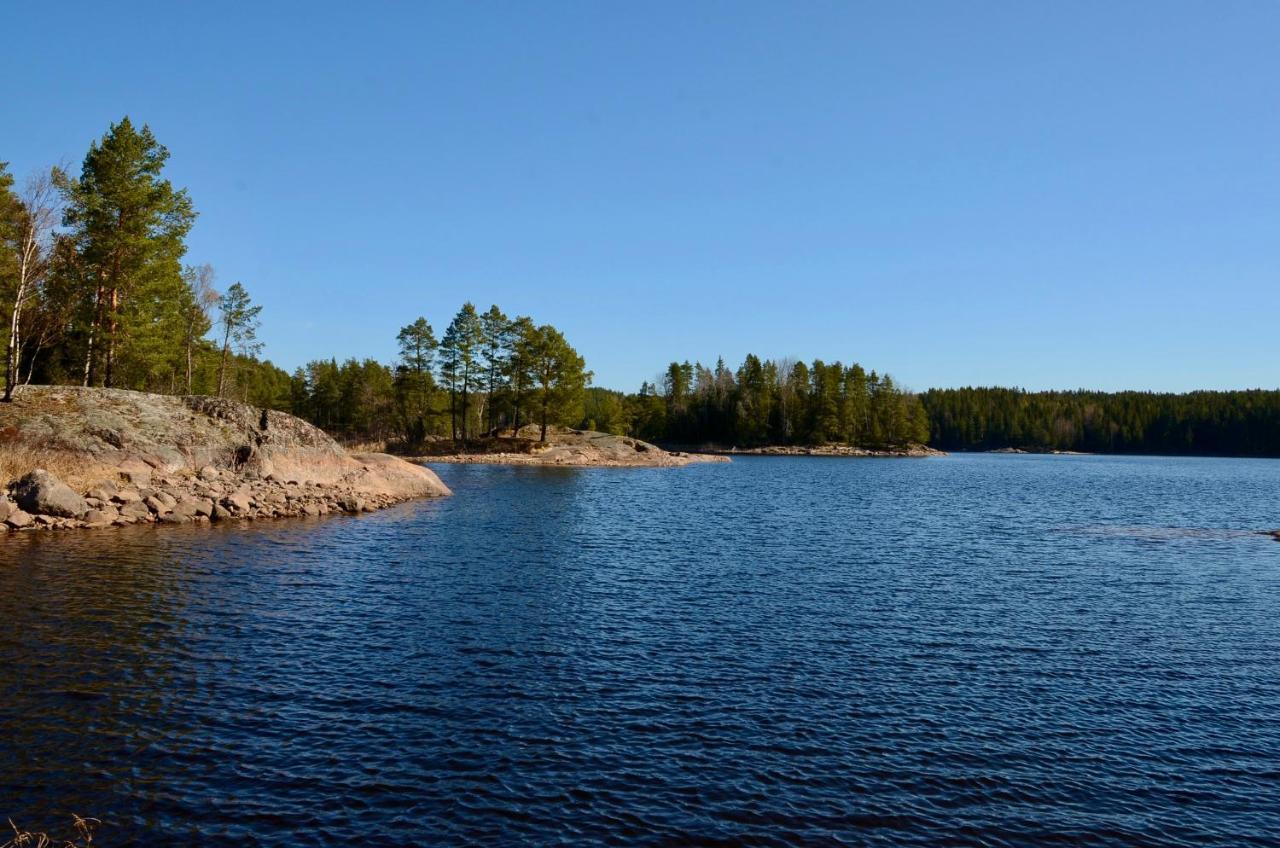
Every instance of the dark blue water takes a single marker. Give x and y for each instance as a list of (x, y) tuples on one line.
[(976, 650)]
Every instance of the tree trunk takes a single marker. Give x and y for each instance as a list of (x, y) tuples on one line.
[(89, 362), (189, 355), (12, 349), (222, 366), (466, 378), (113, 327)]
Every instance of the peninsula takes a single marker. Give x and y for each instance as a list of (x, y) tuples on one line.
[(563, 446), (86, 457)]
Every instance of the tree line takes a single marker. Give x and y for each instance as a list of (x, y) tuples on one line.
[(763, 402), (94, 292), (487, 373), (1222, 423)]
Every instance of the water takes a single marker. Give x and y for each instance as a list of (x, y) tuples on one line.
[(976, 650)]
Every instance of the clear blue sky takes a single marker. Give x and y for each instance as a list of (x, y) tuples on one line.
[(1034, 194)]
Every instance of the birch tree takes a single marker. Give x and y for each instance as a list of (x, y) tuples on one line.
[(198, 300), (31, 219)]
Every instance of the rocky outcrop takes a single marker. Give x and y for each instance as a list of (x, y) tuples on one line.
[(152, 458), (567, 447)]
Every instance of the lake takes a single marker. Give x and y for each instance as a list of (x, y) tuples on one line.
[(969, 650)]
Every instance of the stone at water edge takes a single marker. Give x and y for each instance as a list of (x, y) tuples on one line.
[(18, 519), (238, 501), (41, 493)]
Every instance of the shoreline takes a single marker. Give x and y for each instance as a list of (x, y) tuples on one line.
[(671, 459), (844, 451), (95, 458), (564, 447)]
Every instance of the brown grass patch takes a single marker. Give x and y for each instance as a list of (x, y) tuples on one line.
[(77, 470), (377, 446)]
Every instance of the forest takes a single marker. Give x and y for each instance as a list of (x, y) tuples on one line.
[(1223, 423), (767, 402), (95, 290)]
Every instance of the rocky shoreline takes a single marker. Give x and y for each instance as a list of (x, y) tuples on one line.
[(42, 501), (92, 458), (909, 451), (569, 448)]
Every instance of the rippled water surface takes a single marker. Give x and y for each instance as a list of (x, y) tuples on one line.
[(974, 650)]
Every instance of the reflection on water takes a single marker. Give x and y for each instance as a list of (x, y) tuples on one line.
[(971, 650)]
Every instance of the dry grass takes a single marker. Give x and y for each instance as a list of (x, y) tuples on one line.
[(28, 839), (379, 446), (77, 470)]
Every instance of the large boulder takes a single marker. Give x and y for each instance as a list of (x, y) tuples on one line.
[(41, 493)]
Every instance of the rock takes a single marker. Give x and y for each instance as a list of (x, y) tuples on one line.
[(189, 508), (238, 501), (174, 518), (18, 519), (135, 510), (351, 503), (100, 518), (225, 457), (103, 491), (43, 494), (137, 472), (156, 505)]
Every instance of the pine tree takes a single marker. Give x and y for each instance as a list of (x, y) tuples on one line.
[(413, 385), (519, 377), (495, 344), (129, 227), (559, 378), (239, 322), (461, 371)]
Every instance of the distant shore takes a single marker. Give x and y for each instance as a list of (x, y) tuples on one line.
[(563, 447), (904, 451)]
